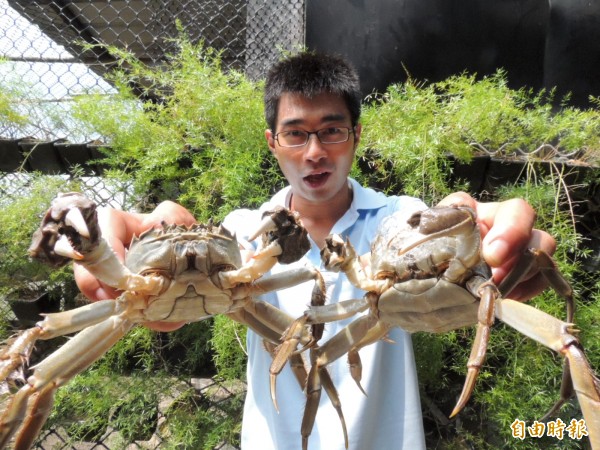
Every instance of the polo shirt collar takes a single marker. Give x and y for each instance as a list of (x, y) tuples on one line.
[(362, 199), (365, 198)]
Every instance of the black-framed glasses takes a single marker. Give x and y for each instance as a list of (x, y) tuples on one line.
[(299, 138)]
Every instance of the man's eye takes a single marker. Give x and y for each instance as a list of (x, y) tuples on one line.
[(331, 131), (295, 133)]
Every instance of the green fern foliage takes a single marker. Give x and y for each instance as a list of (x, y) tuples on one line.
[(188, 131)]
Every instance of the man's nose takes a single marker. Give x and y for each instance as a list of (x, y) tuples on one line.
[(314, 149)]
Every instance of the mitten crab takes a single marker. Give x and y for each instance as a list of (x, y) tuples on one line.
[(426, 273), (171, 273)]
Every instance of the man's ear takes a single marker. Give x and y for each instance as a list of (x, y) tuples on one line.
[(270, 137)]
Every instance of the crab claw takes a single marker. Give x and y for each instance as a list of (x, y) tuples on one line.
[(75, 219), (283, 227), (272, 250), (333, 254), (283, 240), (266, 225), (69, 230), (64, 248)]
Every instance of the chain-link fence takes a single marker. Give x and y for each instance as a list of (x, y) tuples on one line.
[(54, 50)]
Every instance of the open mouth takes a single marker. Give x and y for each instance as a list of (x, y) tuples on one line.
[(317, 179)]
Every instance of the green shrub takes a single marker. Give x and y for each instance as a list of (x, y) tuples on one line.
[(193, 422), (229, 342), (196, 135), (410, 131)]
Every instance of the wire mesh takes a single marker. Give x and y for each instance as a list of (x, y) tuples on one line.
[(273, 26)]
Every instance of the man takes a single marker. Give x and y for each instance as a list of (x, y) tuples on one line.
[(312, 107)]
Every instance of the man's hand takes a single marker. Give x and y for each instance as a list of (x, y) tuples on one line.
[(118, 228), (507, 230)]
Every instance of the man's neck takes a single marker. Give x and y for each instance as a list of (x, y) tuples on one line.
[(319, 217)]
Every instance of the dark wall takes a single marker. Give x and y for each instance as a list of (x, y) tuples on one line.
[(539, 43), (572, 52)]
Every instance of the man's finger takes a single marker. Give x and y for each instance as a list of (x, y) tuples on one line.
[(510, 226), (90, 286)]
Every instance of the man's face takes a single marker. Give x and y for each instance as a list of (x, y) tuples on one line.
[(317, 172)]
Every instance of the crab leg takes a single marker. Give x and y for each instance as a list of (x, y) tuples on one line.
[(270, 322), (294, 334), (260, 263), (267, 320), (17, 351), (297, 364), (360, 332), (53, 325), (488, 294), (339, 255), (56, 370), (319, 377), (545, 264), (542, 261), (485, 320), (559, 336), (271, 337), (41, 405), (103, 263)]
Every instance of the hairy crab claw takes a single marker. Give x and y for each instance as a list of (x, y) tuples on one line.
[(65, 245), (75, 219), (283, 236), (267, 225), (335, 253), (65, 232)]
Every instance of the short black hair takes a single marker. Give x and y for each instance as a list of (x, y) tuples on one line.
[(309, 74)]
